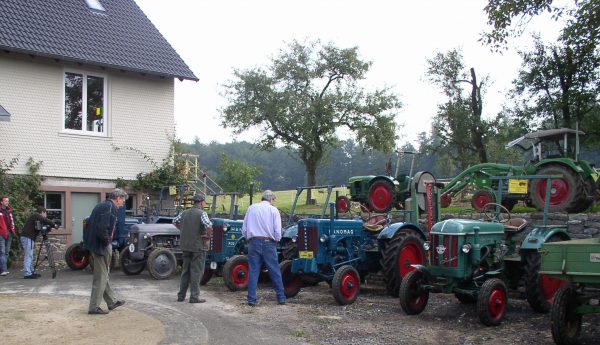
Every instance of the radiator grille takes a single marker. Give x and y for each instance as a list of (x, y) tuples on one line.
[(447, 257), (308, 239)]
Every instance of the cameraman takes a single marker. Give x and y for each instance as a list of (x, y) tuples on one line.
[(30, 233)]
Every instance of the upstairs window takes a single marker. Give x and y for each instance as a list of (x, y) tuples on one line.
[(85, 104)]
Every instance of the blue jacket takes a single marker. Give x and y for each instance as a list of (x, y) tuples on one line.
[(100, 226)]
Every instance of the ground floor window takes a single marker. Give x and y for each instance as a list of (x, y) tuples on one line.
[(55, 205)]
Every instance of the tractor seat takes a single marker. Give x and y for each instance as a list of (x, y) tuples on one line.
[(515, 224), (375, 223)]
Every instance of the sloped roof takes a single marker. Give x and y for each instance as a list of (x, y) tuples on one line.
[(122, 37)]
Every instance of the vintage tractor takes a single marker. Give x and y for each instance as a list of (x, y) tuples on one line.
[(577, 264), (155, 247), (343, 251), (379, 193), (476, 259), (549, 152)]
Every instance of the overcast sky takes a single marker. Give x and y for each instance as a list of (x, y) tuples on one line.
[(214, 37)]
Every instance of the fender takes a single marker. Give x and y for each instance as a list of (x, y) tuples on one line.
[(388, 232), (290, 232), (540, 235), (423, 269)]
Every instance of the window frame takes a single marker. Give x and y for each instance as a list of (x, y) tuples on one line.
[(62, 205), (84, 130)]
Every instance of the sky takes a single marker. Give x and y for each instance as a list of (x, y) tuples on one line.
[(398, 36)]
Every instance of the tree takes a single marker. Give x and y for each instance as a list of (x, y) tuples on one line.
[(236, 176), (304, 96), (509, 18), (458, 123), (558, 85)]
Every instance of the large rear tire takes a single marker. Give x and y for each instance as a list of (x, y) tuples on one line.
[(481, 198), (346, 285), (565, 192), (382, 196), (539, 288), (402, 251), (491, 302), (76, 257), (235, 273), (565, 322), (413, 298)]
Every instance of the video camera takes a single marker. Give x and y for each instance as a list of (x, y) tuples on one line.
[(43, 229)]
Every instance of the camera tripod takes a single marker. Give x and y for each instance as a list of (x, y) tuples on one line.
[(49, 255)]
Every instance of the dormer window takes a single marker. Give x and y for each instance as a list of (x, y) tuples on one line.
[(95, 5)]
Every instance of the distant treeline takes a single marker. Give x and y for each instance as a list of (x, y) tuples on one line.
[(281, 170)]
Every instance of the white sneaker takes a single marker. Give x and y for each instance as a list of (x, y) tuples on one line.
[(5, 273)]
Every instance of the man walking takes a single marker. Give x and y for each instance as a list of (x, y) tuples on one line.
[(28, 237), (97, 238), (7, 232), (196, 231), (262, 229)]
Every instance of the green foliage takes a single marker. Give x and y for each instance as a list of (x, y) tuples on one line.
[(458, 127), (170, 172), (306, 94), (236, 176), (23, 191)]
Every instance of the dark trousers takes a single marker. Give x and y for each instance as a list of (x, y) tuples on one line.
[(192, 270)]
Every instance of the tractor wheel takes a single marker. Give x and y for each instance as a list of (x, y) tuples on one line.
[(130, 266), (235, 273), (289, 249), (382, 196), (345, 285), (565, 192), (403, 250), (481, 198), (342, 204), (445, 200), (539, 288), (161, 263), (413, 298), (291, 282), (565, 321), (465, 298), (208, 273), (76, 257), (491, 302)]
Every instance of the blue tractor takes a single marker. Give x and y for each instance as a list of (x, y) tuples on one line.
[(342, 252)]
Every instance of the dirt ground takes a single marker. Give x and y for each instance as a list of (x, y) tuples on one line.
[(375, 318), (33, 320), (312, 317)]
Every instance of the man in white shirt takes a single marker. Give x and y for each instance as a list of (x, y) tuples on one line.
[(262, 230)]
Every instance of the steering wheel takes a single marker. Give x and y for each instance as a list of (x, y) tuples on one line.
[(489, 213)]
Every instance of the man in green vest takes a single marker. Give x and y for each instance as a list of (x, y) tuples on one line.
[(196, 231)]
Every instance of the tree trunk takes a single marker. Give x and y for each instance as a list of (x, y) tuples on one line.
[(477, 108)]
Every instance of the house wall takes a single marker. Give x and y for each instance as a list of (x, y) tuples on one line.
[(139, 110)]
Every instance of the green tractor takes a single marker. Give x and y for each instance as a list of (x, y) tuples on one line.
[(549, 152), (379, 193), (478, 260)]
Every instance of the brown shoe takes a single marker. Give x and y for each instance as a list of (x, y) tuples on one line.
[(197, 300), (98, 311)]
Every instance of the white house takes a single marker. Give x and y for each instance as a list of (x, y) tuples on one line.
[(87, 87)]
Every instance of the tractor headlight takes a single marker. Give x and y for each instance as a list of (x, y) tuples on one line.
[(294, 239), (427, 246), (467, 248), (323, 238), (226, 227), (147, 236)]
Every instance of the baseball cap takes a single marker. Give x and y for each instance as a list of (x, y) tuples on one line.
[(198, 198)]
